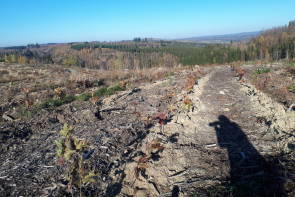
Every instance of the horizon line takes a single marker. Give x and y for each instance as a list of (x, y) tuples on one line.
[(165, 39)]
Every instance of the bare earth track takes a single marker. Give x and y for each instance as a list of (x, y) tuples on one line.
[(225, 144), (218, 142)]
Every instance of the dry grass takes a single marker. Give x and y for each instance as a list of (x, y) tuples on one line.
[(192, 78), (276, 82)]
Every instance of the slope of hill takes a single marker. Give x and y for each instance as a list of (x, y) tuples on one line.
[(227, 38)]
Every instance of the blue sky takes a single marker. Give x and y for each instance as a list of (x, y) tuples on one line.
[(43, 21)]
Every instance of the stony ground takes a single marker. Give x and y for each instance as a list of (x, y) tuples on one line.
[(221, 138)]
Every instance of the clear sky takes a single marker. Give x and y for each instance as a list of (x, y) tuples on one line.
[(44, 21)]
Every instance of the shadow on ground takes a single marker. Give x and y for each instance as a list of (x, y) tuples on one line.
[(250, 173)]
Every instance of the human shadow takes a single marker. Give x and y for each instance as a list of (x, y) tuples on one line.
[(250, 173)]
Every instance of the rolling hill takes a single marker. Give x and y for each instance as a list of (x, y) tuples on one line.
[(227, 38)]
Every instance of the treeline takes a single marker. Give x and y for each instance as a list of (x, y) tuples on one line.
[(98, 56), (185, 53), (273, 44)]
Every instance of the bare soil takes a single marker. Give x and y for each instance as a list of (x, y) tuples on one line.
[(223, 147), (221, 138)]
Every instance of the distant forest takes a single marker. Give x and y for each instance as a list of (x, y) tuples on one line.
[(272, 45)]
